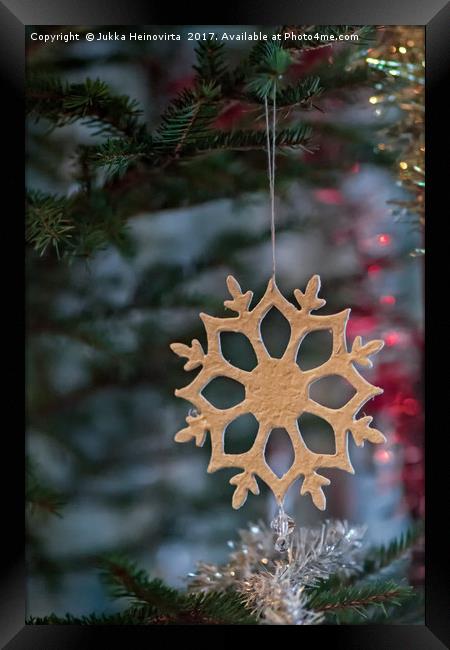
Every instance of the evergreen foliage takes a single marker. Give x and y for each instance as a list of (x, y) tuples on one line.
[(381, 557), (152, 602), (188, 129), (47, 222), (361, 597), (92, 102)]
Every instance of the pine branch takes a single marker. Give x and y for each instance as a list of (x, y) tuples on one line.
[(213, 609), (125, 580), (47, 223), (303, 93), (270, 62), (170, 606), (74, 226), (360, 597), (116, 155), (211, 66), (129, 617), (298, 136), (188, 117), (92, 102), (380, 557), (409, 612)]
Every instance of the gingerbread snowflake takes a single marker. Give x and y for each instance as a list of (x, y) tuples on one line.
[(277, 391)]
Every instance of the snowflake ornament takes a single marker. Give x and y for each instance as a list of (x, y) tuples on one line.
[(277, 391)]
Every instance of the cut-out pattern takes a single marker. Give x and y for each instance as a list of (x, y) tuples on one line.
[(317, 433), (315, 348), (333, 391), (275, 332), (237, 350), (223, 392), (240, 434), (277, 391), (279, 452)]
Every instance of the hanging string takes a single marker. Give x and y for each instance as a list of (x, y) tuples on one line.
[(282, 524), (271, 169)]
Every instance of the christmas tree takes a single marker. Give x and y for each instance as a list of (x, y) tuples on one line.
[(147, 175)]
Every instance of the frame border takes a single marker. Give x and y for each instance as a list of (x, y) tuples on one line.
[(435, 16)]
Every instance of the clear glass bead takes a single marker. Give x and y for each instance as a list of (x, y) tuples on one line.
[(283, 525)]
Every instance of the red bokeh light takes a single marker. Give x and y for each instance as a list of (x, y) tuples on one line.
[(383, 456), (329, 196), (384, 239), (387, 300), (392, 338), (411, 406)]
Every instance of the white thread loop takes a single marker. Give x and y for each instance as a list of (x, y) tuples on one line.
[(271, 169)]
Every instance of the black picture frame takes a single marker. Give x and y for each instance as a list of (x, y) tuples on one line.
[(435, 16)]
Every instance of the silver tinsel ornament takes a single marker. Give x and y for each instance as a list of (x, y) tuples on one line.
[(273, 584)]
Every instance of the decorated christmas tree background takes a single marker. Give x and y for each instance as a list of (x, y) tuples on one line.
[(147, 188)]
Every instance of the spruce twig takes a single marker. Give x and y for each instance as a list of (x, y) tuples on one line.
[(169, 606), (125, 580), (380, 557), (359, 597), (92, 102), (47, 223), (211, 65)]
